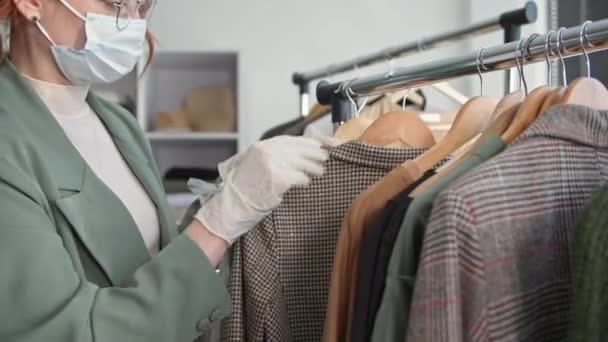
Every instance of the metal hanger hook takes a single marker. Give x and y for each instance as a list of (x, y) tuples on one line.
[(349, 94), (560, 46), (585, 33), (520, 70), (583, 38), (407, 93), (349, 91), (340, 88), (479, 66), (362, 106), (547, 48), (525, 51)]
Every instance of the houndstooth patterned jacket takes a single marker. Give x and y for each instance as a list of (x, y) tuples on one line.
[(280, 273), (495, 263)]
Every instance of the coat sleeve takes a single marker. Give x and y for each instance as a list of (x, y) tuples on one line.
[(174, 297)]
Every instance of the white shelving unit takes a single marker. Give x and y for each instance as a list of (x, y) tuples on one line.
[(162, 88)]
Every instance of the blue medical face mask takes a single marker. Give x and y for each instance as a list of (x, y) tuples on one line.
[(109, 53)]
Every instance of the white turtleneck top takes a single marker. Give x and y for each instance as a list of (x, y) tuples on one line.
[(91, 138)]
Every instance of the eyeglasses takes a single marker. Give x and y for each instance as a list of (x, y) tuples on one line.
[(131, 9)]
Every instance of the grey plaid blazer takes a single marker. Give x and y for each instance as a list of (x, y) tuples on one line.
[(280, 273), (495, 263)]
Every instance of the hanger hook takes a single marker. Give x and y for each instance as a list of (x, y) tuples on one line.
[(349, 94), (479, 66), (583, 38), (407, 93), (362, 106), (342, 91), (340, 88), (525, 51), (585, 33), (547, 47), (520, 70), (521, 48), (560, 46)]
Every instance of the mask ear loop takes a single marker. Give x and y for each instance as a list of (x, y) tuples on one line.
[(73, 10), (36, 21)]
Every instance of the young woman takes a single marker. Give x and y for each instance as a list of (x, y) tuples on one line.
[(88, 250)]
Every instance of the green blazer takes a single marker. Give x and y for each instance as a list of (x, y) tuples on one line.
[(73, 265)]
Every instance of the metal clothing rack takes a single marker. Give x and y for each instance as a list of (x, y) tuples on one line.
[(538, 48), (510, 22)]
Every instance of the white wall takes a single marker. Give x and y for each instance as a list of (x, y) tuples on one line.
[(494, 82), (276, 37)]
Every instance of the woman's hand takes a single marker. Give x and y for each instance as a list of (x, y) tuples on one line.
[(255, 184)]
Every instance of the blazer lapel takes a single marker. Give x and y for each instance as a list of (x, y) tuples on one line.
[(95, 214), (141, 165), (105, 227)]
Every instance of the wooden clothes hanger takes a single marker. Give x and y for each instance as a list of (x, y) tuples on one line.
[(498, 126), (353, 129), (527, 113), (395, 129), (501, 120), (534, 102), (472, 118), (509, 101), (552, 99), (585, 91), (403, 127), (588, 92), (315, 112)]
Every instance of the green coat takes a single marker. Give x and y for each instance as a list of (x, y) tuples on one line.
[(73, 265)]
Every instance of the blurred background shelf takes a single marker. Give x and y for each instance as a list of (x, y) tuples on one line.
[(196, 136), (174, 80)]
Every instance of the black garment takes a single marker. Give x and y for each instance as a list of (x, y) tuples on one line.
[(376, 250), (294, 127), (185, 173), (282, 128)]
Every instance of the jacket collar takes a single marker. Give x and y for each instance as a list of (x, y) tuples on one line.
[(383, 158), (578, 124)]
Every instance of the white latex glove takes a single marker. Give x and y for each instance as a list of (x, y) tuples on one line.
[(230, 164), (255, 181)]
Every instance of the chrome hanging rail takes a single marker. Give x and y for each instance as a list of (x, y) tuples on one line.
[(501, 57), (510, 22)]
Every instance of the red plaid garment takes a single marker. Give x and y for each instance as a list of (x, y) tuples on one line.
[(280, 272), (495, 264)]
